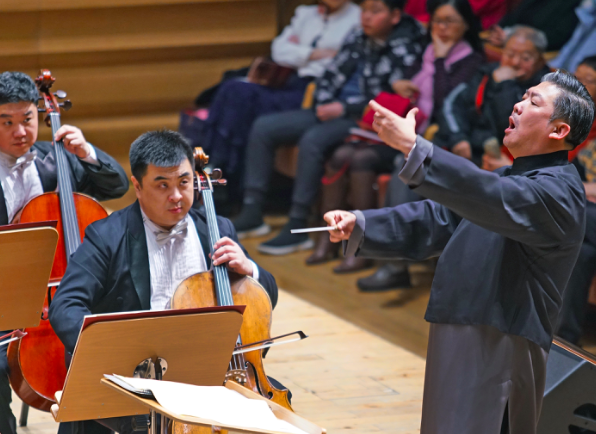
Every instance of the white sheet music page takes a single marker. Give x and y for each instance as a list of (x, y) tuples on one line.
[(216, 403)]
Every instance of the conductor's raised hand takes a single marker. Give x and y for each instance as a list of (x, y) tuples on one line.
[(74, 141), (344, 223), (228, 252), (397, 132)]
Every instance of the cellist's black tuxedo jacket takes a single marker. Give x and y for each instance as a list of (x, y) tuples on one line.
[(106, 181), (110, 271)]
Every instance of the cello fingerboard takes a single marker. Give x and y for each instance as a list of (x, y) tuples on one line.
[(72, 237)]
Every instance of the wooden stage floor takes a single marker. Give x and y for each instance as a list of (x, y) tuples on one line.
[(342, 377)]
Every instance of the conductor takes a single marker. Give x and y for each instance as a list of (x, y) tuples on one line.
[(508, 242)]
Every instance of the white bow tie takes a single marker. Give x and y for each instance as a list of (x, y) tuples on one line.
[(13, 164), (178, 231)]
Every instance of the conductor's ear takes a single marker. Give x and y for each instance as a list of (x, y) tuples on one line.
[(560, 130)]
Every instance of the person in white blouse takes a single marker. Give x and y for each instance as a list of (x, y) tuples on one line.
[(28, 169), (308, 44), (136, 258)]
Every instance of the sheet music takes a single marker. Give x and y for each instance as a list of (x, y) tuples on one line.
[(216, 403)]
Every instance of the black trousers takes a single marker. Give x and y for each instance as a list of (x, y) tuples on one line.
[(8, 423), (315, 139)]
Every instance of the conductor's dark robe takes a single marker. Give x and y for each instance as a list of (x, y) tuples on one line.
[(106, 181), (110, 273), (509, 240)]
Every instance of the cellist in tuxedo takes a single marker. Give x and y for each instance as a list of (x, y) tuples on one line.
[(136, 258), (28, 169)]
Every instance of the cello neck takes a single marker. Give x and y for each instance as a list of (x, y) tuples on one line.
[(220, 273), (72, 237)]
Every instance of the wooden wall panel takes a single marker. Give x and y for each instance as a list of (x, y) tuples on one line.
[(129, 65)]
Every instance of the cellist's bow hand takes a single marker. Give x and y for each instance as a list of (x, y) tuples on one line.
[(343, 221), (74, 141), (227, 251)]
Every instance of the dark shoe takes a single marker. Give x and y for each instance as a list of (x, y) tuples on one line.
[(386, 278), (250, 222), (352, 264), (325, 250), (287, 242)]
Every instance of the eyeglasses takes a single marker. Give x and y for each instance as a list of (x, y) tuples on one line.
[(448, 22)]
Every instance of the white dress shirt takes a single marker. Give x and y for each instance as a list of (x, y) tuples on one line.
[(308, 25), (20, 179), (174, 256)]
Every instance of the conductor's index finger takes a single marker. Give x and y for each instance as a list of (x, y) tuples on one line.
[(379, 109)]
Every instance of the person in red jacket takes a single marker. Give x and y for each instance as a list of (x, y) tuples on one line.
[(489, 12)]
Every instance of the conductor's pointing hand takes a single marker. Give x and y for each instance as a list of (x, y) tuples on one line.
[(397, 132), (344, 223)]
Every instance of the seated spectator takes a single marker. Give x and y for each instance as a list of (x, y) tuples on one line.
[(368, 63), (478, 112), (453, 56), (308, 44), (583, 42), (555, 18), (489, 12), (575, 299)]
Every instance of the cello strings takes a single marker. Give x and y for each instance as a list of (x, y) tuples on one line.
[(222, 279), (69, 216)]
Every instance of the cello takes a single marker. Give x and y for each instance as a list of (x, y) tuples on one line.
[(220, 288), (36, 362)]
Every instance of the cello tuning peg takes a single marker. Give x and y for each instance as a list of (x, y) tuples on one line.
[(220, 182), (41, 110), (60, 94), (216, 174), (66, 105)]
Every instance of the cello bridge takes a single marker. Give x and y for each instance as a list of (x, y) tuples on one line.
[(236, 375)]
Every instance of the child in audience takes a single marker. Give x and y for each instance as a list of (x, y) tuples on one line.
[(370, 60), (308, 44), (453, 56)]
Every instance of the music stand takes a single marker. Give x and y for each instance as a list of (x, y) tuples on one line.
[(26, 260), (197, 345)]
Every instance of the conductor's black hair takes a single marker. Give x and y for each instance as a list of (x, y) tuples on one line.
[(17, 87), (162, 148), (573, 105)]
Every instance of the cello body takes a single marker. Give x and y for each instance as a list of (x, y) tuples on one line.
[(36, 362), (221, 288), (199, 291)]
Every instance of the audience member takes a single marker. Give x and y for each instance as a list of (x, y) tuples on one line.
[(583, 42), (308, 44), (368, 63), (452, 57), (488, 11), (575, 299), (555, 18), (477, 113)]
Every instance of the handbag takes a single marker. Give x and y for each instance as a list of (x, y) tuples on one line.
[(267, 73)]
